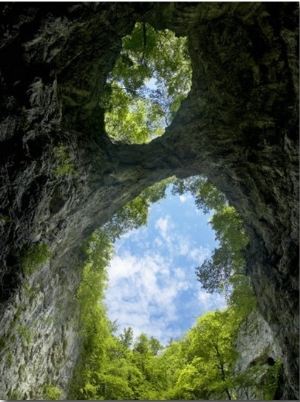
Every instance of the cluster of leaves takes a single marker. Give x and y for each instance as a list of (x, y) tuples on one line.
[(150, 79), (51, 392), (63, 162), (91, 289), (93, 320), (31, 259), (25, 334), (218, 273), (209, 358)]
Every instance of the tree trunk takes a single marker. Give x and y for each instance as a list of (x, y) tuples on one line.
[(61, 176)]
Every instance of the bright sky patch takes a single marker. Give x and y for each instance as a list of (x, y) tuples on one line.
[(152, 281)]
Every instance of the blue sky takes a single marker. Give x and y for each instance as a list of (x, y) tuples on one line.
[(152, 283)]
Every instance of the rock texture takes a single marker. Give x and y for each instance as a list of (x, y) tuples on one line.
[(40, 340), (61, 176), (256, 347)]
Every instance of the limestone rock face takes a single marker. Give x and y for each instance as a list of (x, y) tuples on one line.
[(61, 176), (40, 339), (256, 347)]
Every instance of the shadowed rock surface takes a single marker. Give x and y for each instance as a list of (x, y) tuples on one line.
[(61, 176)]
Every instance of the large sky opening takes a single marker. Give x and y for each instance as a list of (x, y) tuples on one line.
[(152, 282)]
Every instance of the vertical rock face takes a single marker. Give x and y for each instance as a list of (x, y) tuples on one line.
[(40, 340), (256, 346), (61, 176)]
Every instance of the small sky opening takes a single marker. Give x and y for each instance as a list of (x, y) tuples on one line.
[(152, 282), (150, 79)]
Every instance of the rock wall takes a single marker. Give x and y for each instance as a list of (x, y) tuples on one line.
[(256, 346), (40, 340), (61, 176)]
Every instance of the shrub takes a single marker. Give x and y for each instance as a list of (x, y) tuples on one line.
[(31, 259), (52, 393), (64, 164), (26, 336)]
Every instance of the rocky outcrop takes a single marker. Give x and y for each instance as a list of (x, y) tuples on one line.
[(61, 176), (258, 348)]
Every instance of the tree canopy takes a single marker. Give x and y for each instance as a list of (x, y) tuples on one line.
[(227, 260)]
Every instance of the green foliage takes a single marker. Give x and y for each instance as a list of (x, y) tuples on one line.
[(29, 291), (202, 364), (91, 289), (31, 259), (108, 367), (154, 346), (5, 219), (9, 358), (206, 195), (131, 216), (14, 395), (25, 334), (242, 298), (216, 274), (63, 162), (260, 381), (211, 354), (227, 224), (51, 392), (270, 381), (114, 387), (94, 322), (227, 260), (131, 119), (126, 338), (136, 113)]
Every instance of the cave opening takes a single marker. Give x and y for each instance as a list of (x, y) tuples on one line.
[(159, 246), (139, 296)]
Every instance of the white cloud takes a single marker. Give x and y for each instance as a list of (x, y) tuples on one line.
[(180, 274), (210, 301), (186, 197), (142, 293), (183, 245), (183, 198), (158, 242), (163, 225), (199, 254)]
